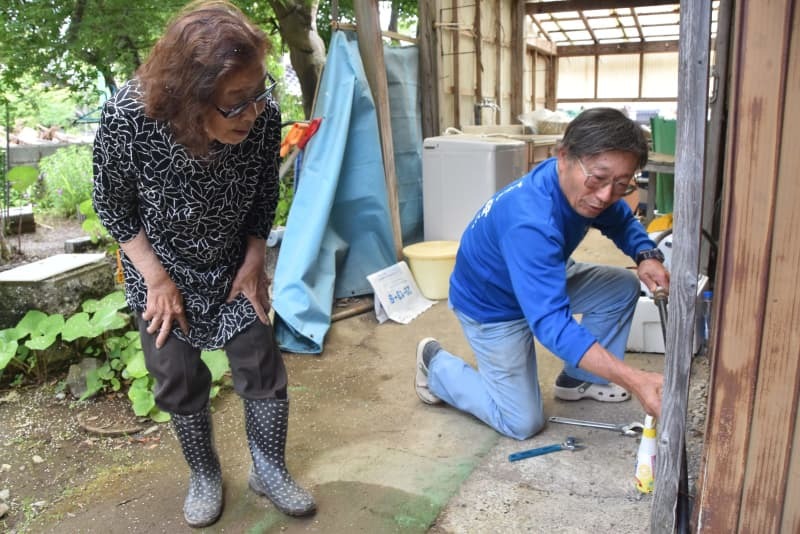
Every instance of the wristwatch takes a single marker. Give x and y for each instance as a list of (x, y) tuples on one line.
[(651, 254)]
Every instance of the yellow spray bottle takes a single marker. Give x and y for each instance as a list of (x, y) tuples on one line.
[(646, 457)]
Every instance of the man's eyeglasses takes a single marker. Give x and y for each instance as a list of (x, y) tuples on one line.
[(619, 188), (241, 107)]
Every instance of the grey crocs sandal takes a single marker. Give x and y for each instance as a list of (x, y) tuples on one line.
[(600, 392)]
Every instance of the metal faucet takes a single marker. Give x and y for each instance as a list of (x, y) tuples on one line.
[(484, 103)]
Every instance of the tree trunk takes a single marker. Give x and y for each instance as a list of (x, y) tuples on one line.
[(298, 28), (393, 17)]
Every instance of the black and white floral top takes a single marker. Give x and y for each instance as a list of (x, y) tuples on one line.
[(196, 212)]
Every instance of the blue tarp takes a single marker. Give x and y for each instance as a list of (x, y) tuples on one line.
[(339, 228), (402, 73)]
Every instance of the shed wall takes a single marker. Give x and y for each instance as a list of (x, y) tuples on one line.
[(475, 61)]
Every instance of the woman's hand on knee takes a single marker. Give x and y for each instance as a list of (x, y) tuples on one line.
[(164, 308), (254, 285)]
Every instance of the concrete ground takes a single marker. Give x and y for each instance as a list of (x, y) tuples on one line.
[(379, 461)]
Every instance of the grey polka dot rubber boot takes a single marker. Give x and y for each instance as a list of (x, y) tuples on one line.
[(203, 504), (266, 422)]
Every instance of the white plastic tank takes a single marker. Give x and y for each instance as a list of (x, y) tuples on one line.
[(459, 173)]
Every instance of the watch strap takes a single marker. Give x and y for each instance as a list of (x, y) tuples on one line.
[(650, 254)]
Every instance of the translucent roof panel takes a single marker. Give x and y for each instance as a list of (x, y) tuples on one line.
[(608, 33), (603, 26)]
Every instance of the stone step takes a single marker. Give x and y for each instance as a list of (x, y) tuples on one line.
[(57, 284)]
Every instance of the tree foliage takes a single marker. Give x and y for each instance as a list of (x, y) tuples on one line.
[(402, 10), (68, 42), (72, 43)]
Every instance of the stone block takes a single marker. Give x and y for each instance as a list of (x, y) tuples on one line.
[(58, 284), (78, 372), (20, 220), (78, 244)]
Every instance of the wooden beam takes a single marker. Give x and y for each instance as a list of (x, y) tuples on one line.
[(370, 45), (456, 73), (517, 60), (428, 68), (647, 47), (534, 58), (550, 83), (476, 38), (498, 61), (541, 45), (716, 135), (533, 8), (694, 54), (385, 33), (619, 99)]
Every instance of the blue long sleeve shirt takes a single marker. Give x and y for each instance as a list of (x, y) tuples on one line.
[(512, 259)]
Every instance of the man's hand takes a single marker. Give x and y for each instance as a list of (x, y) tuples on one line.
[(653, 274), (646, 386)]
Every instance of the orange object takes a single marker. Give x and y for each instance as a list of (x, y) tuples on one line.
[(298, 135), (293, 137), (120, 275), (311, 129)]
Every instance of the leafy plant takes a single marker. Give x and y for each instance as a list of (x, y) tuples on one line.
[(37, 102), (22, 177), (285, 197), (21, 180), (101, 329), (67, 176), (94, 228)]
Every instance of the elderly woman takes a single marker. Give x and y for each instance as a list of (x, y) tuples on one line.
[(186, 166)]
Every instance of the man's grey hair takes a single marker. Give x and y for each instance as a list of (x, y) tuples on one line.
[(599, 130)]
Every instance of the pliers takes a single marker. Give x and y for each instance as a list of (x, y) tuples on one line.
[(570, 444)]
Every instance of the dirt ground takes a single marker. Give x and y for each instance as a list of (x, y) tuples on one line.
[(376, 459)]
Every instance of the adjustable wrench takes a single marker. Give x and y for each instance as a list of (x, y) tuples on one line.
[(570, 444), (631, 429)]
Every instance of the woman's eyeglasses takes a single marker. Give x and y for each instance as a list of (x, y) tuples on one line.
[(260, 98), (619, 188)]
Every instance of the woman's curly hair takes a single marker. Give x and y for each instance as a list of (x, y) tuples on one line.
[(204, 43)]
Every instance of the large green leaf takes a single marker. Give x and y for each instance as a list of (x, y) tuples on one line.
[(30, 322), (11, 334), (7, 351), (141, 397), (158, 416), (90, 305), (105, 319), (93, 384), (86, 207), (134, 362), (217, 363), (22, 177), (78, 325), (115, 300), (48, 330)]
